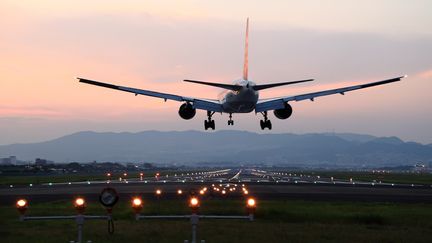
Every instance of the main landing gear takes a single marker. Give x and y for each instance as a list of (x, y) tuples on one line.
[(266, 123), (209, 123), (230, 121)]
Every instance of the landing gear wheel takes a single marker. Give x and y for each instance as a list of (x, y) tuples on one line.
[(266, 123), (230, 121), (269, 125), (209, 123)]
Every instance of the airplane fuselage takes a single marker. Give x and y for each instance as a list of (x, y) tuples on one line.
[(241, 101)]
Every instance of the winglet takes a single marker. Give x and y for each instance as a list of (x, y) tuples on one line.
[(246, 57)]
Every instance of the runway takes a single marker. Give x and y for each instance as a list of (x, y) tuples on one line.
[(260, 184)]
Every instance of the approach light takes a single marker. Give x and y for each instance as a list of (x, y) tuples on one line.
[(194, 204), (141, 174), (251, 207), (179, 192), (223, 192), (22, 206), (201, 192), (124, 174), (80, 204), (251, 203), (194, 201), (108, 174), (158, 192), (246, 192), (21, 203), (137, 204)]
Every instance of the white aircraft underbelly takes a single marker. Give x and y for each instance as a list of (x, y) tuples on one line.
[(243, 101)]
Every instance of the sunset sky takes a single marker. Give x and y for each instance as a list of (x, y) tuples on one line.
[(45, 45)]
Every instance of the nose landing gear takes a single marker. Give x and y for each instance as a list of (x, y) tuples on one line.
[(230, 121), (209, 123), (266, 123)]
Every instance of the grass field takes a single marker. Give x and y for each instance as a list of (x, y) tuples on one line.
[(277, 221)]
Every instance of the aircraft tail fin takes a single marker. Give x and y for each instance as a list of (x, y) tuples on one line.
[(246, 56)]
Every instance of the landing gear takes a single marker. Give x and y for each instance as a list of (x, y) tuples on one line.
[(266, 123), (230, 121), (209, 123)]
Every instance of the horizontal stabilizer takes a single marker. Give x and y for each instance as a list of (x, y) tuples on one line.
[(267, 86), (219, 85)]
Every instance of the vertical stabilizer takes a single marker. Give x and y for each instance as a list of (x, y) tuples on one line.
[(246, 64)]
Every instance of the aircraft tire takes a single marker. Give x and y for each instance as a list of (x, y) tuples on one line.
[(262, 124)]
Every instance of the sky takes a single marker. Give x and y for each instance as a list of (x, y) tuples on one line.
[(154, 45)]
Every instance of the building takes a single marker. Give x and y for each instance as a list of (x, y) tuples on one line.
[(42, 162), (8, 161)]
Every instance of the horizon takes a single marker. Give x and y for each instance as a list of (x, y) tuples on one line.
[(152, 45), (217, 131)]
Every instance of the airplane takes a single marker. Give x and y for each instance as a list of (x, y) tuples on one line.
[(242, 96)]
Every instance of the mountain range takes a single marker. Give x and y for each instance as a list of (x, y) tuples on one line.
[(240, 147)]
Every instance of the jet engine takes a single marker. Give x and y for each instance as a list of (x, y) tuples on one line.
[(186, 111), (283, 113)]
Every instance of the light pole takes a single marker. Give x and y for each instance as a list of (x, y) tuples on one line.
[(108, 198)]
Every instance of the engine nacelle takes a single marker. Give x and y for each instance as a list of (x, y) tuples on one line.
[(283, 113), (186, 111)]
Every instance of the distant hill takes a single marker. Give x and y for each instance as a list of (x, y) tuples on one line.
[(353, 137), (189, 147)]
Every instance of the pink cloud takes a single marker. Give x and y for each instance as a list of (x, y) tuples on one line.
[(12, 111), (425, 74)]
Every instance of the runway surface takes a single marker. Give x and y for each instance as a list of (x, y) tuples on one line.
[(260, 184)]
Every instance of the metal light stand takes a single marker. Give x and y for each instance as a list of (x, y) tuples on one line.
[(79, 219), (108, 198), (194, 217)]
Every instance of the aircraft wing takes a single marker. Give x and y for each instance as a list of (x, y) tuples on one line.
[(279, 103), (203, 104)]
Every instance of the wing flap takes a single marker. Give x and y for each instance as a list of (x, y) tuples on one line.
[(207, 105)]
